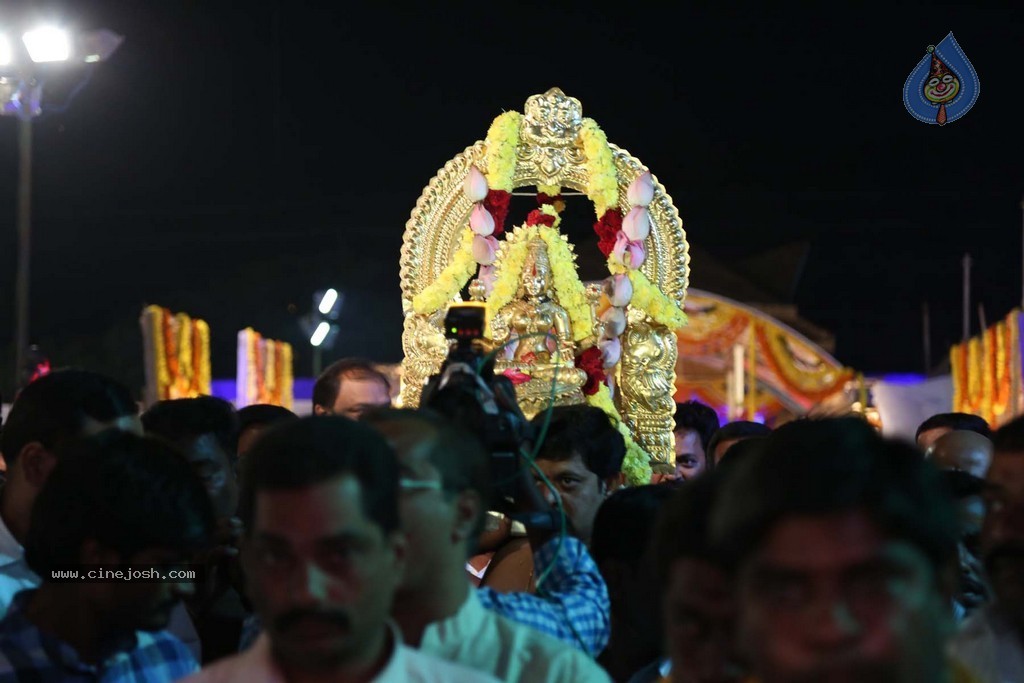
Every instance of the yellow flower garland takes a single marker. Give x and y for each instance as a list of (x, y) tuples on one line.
[(202, 373), (186, 373), (571, 293), (602, 181), (451, 280), (637, 463), (502, 140), (287, 378), (650, 299)]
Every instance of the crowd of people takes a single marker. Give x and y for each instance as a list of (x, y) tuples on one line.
[(370, 543)]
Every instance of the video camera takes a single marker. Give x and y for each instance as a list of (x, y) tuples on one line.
[(467, 391)]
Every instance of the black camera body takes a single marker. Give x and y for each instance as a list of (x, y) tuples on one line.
[(467, 391)]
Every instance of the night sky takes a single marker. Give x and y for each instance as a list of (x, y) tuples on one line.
[(232, 158)]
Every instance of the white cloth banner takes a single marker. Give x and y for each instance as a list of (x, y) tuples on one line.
[(904, 406)]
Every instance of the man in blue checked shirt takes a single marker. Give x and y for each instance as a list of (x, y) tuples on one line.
[(117, 501)]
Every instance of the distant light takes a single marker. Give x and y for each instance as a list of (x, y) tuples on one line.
[(92, 58), (6, 54), (320, 334), (48, 44), (327, 303)]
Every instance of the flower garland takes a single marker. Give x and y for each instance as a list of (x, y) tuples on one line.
[(650, 299), (637, 463), (451, 280), (602, 181), (268, 370), (156, 331), (502, 141), (287, 381), (181, 354), (186, 371)]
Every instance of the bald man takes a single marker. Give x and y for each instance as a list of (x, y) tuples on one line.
[(965, 458)]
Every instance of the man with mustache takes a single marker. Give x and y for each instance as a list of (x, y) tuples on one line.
[(844, 546), (991, 642), (323, 554)]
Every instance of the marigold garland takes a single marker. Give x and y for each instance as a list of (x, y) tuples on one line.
[(650, 299), (181, 354), (637, 463), (265, 370), (602, 181), (502, 140), (451, 280)]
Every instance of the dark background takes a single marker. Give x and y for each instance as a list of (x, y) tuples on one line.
[(232, 158)]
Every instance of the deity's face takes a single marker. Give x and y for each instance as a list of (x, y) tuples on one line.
[(941, 89), (536, 282)]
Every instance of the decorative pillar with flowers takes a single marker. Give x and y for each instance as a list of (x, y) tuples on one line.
[(620, 335), (264, 371), (177, 355)]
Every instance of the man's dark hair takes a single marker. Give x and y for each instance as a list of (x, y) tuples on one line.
[(182, 420), (583, 430), (698, 417), (128, 493), (328, 384), (625, 523), (1010, 437), (457, 454), (741, 429), (314, 450), (822, 467), (53, 409), (960, 422), (682, 528), (742, 449), (263, 415)]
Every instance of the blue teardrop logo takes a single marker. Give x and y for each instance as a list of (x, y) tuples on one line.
[(943, 86)]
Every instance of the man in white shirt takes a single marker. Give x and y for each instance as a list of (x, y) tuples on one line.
[(323, 554), (445, 489)]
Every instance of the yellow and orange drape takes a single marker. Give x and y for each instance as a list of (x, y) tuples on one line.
[(987, 372)]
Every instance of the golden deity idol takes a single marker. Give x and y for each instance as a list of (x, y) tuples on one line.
[(537, 335), (557, 342)]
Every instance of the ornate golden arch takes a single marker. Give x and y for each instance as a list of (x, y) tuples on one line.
[(549, 153)]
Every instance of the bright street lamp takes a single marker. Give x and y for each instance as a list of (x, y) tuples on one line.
[(21, 90), (47, 44), (327, 303), (320, 334)]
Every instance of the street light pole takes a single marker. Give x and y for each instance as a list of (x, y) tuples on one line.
[(24, 242), (20, 96)]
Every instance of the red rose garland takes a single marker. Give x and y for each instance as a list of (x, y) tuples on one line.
[(590, 362), (607, 229), (496, 203)]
